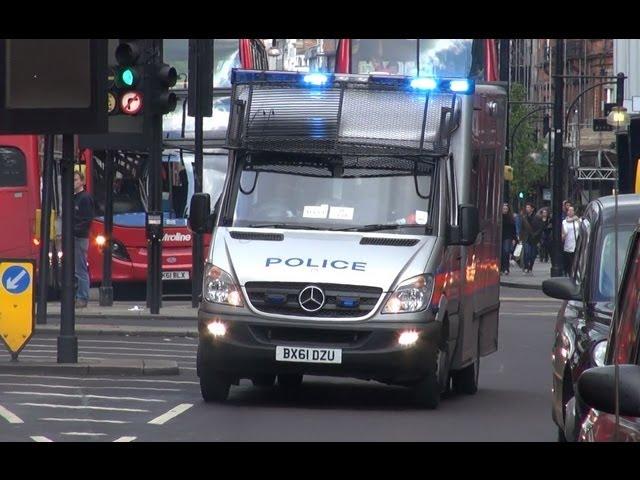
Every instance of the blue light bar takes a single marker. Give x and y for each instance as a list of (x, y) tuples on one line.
[(317, 79), (461, 86), (253, 76), (424, 83)]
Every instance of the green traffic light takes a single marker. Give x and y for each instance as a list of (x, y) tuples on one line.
[(521, 195), (127, 77)]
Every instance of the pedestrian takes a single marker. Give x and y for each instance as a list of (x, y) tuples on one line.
[(530, 233), (570, 234), (83, 214), (545, 239), (565, 206), (509, 238)]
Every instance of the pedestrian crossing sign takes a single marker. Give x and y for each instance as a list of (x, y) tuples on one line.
[(17, 305)]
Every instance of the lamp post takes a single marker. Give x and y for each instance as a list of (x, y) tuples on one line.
[(557, 269)]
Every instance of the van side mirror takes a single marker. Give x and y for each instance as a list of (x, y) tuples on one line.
[(562, 288), (199, 211), (468, 226), (596, 388)]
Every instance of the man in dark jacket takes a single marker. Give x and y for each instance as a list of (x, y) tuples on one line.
[(530, 234), (83, 213)]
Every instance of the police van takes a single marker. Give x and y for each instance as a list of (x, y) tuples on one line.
[(357, 234)]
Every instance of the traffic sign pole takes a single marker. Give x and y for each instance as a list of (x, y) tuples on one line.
[(67, 340)]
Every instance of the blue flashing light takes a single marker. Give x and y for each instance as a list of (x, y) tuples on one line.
[(317, 79), (461, 86), (424, 83), (348, 302), (252, 76)]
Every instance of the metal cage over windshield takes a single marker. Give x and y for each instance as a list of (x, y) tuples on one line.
[(337, 114)]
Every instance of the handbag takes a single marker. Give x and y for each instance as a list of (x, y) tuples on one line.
[(517, 252)]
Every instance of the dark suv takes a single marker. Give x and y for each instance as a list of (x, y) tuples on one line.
[(582, 327)]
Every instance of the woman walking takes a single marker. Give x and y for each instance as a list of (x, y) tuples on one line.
[(509, 237), (570, 234), (545, 240)]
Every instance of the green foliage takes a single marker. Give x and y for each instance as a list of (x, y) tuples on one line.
[(528, 173)]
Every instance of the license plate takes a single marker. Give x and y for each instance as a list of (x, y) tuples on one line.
[(175, 275), (308, 355)]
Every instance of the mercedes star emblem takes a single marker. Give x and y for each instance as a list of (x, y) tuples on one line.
[(311, 298)]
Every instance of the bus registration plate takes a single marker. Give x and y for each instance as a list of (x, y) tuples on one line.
[(308, 355), (175, 275)]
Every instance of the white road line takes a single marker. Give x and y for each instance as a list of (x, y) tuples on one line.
[(100, 379), (187, 368), (53, 419), (37, 438), (100, 397), (174, 412), (22, 355), (84, 434), (44, 385), (8, 416), (86, 348), (82, 407), (53, 341), (125, 439)]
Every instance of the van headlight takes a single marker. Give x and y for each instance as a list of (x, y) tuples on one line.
[(599, 352), (412, 295), (219, 287)]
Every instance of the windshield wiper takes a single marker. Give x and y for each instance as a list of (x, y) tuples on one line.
[(378, 226), (293, 226)]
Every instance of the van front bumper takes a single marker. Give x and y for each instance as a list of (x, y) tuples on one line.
[(370, 349)]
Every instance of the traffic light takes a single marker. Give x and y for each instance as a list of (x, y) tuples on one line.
[(162, 78), (521, 195), (126, 95)]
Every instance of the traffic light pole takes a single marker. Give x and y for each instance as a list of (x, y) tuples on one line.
[(45, 226), (155, 198), (557, 264), (67, 340), (106, 289)]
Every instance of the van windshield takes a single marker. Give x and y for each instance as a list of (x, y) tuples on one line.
[(336, 193)]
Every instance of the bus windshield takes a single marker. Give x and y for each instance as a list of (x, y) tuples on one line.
[(413, 57), (131, 182)]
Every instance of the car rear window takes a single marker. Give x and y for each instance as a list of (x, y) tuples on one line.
[(13, 167)]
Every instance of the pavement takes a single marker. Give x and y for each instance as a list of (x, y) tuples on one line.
[(533, 281)]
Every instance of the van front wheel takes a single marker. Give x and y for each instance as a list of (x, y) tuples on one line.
[(213, 386)]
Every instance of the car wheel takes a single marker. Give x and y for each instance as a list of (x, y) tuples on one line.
[(465, 381), (290, 380), (264, 380), (427, 392), (213, 386)]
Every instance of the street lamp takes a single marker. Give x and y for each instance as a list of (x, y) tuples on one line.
[(619, 117)]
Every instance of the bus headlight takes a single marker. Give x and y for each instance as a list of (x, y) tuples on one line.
[(412, 295), (219, 287)]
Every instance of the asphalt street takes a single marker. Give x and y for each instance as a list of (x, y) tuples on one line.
[(512, 404)]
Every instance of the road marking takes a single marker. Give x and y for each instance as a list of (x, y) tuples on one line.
[(174, 412), (85, 348), (187, 368), (8, 416), (125, 439), (84, 434), (53, 419), (526, 299), (100, 379), (82, 407), (44, 385), (37, 438), (101, 397), (54, 340)]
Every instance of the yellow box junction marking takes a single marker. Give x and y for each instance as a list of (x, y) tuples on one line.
[(16, 302)]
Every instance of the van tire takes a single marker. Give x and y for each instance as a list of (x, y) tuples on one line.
[(263, 380), (427, 392), (290, 380), (465, 381), (213, 386)]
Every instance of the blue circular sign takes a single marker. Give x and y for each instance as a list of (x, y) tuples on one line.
[(16, 279)]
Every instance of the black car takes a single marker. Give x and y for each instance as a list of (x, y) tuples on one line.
[(584, 319)]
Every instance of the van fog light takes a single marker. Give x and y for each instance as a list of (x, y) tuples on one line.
[(408, 338), (217, 329)]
